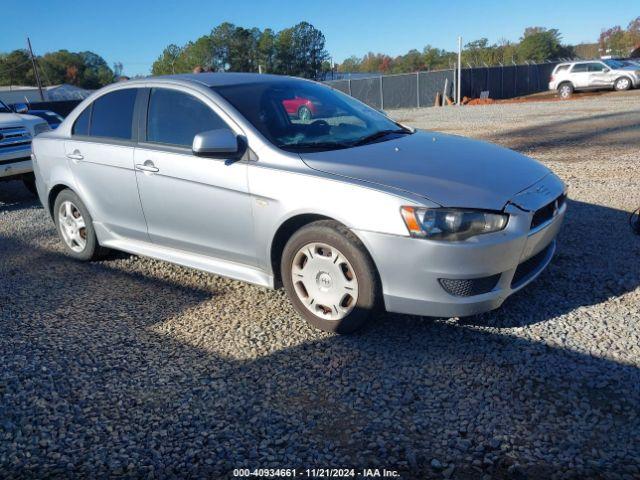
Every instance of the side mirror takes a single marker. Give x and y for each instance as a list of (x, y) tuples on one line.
[(20, 108), (606, 70), (219, 143)]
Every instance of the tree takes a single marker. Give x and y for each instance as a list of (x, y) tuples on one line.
[(16, 69), (616, 41), (267, 50), (308, 50), (539, 44), (169, 61), (350, 65)]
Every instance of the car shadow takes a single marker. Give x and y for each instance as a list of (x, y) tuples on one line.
[(621, 129), (15, 196)]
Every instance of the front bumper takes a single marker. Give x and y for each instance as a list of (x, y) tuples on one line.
[(15, 167), (411, 269)]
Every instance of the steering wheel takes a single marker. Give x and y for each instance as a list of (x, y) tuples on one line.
[(320, 126)]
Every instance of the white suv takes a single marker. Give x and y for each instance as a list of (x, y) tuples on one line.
[(16, 132), (593, 75)]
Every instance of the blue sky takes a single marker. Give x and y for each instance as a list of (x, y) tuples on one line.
[(134, 32)]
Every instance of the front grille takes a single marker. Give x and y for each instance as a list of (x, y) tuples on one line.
[(14, 137), (469, 287), (529, 266), (546, 213)]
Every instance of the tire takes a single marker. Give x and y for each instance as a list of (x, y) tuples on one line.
[(334, 296), (565, 91), (75, 227), (621, 84), (29, 181), (304, 114)]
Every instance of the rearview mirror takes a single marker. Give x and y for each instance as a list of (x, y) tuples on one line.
[(219, 143), (20, 108)]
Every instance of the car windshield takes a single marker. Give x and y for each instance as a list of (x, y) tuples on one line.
[(4, 108), (615, 64), (298, 115)]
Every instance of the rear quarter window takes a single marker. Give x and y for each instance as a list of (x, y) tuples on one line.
[(81, 125), (562, 68), (579, 67)]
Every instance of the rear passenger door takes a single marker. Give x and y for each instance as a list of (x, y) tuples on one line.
[(580, 75), (196, 204), (100, 152)]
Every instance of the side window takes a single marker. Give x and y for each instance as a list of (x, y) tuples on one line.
[(579, 68), (81, 125), (174, 118), (562, 68), (113, 114), (596, 67)]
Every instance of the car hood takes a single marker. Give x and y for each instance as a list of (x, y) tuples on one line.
[(13, 119), (449, 170)]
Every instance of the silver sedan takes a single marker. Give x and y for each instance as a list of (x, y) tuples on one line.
[(346, 209)]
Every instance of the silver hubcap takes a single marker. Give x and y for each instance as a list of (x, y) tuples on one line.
[(304, 114), (565, 92), (72, 226), (623, 84), (324, 281)]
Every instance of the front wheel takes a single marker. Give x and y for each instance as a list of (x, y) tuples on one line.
[(329, 277), (75, 227), (622, 83)]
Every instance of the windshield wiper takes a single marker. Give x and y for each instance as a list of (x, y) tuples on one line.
[(312, 145), (380, 134)]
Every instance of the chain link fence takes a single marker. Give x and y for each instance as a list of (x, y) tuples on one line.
[(411, 90)]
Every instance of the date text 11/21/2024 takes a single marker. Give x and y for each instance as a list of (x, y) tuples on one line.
[(316, 473)]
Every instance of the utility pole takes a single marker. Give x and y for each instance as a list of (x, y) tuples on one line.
[(35, 69), (459, 70)]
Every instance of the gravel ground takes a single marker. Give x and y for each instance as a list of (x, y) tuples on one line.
[(135, 367)]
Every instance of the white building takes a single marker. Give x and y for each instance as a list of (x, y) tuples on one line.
[(23, 94)]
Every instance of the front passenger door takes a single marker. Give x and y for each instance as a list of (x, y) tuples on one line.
[(196, 204), (599, 75)]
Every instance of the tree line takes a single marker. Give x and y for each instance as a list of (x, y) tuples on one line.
[(537, 44), (83, 69), (298, 50)]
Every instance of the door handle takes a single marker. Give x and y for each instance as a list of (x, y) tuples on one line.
[(147, 166), (76, 155)]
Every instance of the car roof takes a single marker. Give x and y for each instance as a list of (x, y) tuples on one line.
[(218, 79)]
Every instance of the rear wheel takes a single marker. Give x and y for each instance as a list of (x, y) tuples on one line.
[(75, 227), (329, 277), (565, 91), (622, 83)]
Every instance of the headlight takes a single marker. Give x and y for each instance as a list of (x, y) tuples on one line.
[(41, 127), (451, 224)]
